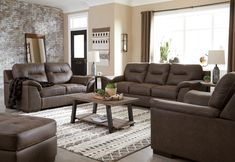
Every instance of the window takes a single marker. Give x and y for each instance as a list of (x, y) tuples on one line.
[(78, 21), (192, 32)]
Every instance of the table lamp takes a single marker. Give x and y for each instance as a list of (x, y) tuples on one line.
[(93, 56), (216, 57)]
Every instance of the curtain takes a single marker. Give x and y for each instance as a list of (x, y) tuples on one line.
[(231, 44), (146, 35)]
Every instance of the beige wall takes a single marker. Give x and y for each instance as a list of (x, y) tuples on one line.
[(99, 17), (123, 19), (122, 25), (136, 19)]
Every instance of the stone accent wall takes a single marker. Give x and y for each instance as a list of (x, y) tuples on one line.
[(18, 18)]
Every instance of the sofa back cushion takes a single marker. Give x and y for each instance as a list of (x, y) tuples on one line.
[(33, 71), (157, 73), (135, 72), (58, 72), (223, 91), (180, 72)]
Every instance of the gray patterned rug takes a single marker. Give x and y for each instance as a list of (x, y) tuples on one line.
[(95, 141)]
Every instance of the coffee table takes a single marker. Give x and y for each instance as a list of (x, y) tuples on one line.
[(111, 123)]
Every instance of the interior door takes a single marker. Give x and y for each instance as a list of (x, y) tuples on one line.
[(79, 52)]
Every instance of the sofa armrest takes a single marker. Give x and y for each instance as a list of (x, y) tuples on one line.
[(7, 75), (118, 79), (186, 108), (197, 97), (189, 84), (32, 83), (78, 79)]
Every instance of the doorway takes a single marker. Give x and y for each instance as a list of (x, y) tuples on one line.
[(79, 52)]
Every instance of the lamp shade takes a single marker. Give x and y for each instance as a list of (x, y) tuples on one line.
[(216, 57), (93, 56)]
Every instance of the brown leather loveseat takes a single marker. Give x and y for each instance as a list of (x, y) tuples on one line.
[(201, 129), (168, 81), (34, 96)]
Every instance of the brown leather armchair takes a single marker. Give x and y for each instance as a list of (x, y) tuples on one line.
[(201, 129)]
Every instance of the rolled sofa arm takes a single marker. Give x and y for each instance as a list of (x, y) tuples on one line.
[(185, 86), (186, 108), (32, 83), (78, 79), (189, 84), (118, 79)]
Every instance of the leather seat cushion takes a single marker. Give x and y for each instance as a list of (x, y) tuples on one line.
[(54, 90), (169, 92), (74, 88), (123, 87), (18, 132), (141, 89)]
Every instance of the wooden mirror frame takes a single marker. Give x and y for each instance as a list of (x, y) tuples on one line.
[(27, 47)]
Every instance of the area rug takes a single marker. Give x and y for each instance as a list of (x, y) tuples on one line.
[(95, 141)]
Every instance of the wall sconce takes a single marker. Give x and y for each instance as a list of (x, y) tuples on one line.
[(124, 42)]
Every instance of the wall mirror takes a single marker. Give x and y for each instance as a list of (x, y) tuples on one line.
[(35, 48)]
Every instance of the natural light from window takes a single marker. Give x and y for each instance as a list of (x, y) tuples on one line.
[(192, 32)]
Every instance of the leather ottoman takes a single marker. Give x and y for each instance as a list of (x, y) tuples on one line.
[(27, 139)]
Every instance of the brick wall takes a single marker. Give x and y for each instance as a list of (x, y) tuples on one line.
[(18, 18)]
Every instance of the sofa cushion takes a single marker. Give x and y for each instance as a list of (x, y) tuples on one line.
[(223, 91), (123, 87), (18, 132), (135, 72), (54, 90), (166, 91), (58, 73), (74, 88), (33, 71), (157, 73), (141, 89), (179, 73)]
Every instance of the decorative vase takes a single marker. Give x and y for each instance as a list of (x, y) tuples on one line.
[(111, 91)]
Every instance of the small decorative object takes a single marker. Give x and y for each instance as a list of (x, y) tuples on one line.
[(164, 51), (105, 95), (111, 89), (93, 56), (124, 42), (207, 78), (175, 60), (216, 57)]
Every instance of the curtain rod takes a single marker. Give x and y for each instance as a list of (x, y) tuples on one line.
[(174, 9)]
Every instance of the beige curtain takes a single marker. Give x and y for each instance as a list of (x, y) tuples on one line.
[(231, 44), (146, 35)]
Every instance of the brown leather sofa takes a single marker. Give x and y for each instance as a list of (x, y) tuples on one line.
[(27, 139), (34, 96), (201, 129), (168, 81)]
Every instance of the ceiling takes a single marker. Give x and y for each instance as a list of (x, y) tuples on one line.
[(77, 5)]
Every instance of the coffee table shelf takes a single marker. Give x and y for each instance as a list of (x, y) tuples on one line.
[(111, 123), (117, 123)]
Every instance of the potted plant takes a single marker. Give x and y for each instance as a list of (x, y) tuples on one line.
[(111, 89), (164, 51), (207, 78)]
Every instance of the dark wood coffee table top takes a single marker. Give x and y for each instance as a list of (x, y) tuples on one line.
[(89, 97)]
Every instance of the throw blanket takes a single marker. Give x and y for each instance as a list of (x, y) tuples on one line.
[(16, 90)]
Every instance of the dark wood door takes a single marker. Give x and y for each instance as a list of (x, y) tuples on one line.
[(79, 52)]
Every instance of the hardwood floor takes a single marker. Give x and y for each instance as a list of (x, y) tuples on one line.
[(144, 155)]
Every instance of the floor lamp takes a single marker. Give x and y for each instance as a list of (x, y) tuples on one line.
[(94, 57)]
